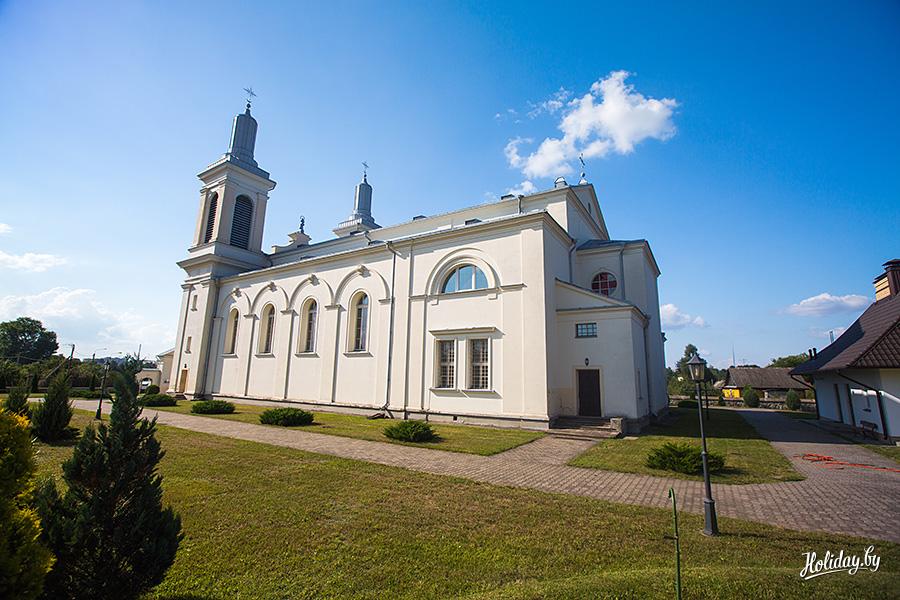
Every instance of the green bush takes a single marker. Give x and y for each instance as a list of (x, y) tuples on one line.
[(750, 396), (110, 533), (792, 401), (17, 401), (410, 431), (687, 404), (286, 417), (720, 401), (683, 458), (151, 390), (212, 407), (158, 400), (50, 417), (24, 561)]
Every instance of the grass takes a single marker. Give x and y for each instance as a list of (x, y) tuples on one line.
[(892, 452), (748, 457), (268, 522), (455, 438), (797, 414)]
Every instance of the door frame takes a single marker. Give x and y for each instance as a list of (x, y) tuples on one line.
[(578, 390)]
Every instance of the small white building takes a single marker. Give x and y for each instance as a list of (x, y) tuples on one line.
[(158, 375), (857, 377), (515, 312)]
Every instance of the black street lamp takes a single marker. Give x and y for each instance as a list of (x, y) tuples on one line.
[(697, 368), (102, 391)]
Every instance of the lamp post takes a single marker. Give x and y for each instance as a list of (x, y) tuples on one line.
[(102, 391), (697, 368)]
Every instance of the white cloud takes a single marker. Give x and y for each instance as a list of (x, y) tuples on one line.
[(30, 261), (673, 318), (611, 117), (551, 105), (76, 315), (525, 188), (826, 304), (4, 228)]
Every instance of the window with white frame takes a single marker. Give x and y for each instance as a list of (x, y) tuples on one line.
[(360, 322), (311, 315), (231, 331), (585, 330), (446, 372), (464, 277), (267, 329), (479, 364)]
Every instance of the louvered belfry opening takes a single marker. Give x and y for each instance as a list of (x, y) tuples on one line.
[(240, 224), (211, 217)]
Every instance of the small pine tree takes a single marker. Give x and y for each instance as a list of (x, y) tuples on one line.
[(750, 396), (17, 401), (110, 533), (50, 418), (24, 562), (792, 400)]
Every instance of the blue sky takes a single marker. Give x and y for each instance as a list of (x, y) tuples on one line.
[(778, 181)]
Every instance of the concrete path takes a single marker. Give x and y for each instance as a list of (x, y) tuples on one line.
[(852, 501)]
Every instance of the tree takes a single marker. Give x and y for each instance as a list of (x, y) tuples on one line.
[(10, 374), (17, 400), (24, 562), (750, 397), (50, 418), (110, 533), (792, 400), (792, 360), (26, 340), (681, 366)]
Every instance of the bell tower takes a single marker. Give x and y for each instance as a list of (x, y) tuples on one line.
[(227, 240), (233, 200)]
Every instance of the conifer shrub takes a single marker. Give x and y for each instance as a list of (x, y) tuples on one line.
[(109, 531), (24, 561), (212, 407), (683, 458), (286, 417), (751, 397), (411, 431), (151, 389), (50, 417), (792, 400), (17, 401), (158, 400)]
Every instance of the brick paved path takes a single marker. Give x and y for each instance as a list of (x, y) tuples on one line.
[(850, 501)]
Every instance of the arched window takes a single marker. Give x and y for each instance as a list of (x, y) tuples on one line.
[(360, 314), (240, 224), (308, 338), (266, 329), (464, 277), (211, 217), (231, 331), (604, 283)]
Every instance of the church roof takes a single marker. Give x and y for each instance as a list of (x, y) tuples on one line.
[(592, 244)]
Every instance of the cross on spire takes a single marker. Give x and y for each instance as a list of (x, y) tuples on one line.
[(250, 95), (365, 169), (581, 159)]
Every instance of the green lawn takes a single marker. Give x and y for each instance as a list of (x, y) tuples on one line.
[(797, 414), (748, 457), (268, 522), (892, 452), (455, 438)]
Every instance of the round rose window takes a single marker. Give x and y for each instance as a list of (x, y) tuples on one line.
[(604, 283)]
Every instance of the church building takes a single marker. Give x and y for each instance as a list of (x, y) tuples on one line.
[(516, 312)]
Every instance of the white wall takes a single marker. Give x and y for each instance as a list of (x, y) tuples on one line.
[(864, 402)]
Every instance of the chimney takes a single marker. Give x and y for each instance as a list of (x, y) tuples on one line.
[(887, 285)]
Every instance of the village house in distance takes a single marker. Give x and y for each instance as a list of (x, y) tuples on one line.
[(515, 312)]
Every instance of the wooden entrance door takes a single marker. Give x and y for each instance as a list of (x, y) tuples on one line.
[(589, 393), (182, 381)]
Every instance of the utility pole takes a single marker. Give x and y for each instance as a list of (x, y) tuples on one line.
[(102, 391)]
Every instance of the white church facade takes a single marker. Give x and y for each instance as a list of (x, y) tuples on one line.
[(516, 312)]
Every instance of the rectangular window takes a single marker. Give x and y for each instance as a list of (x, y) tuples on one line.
[(446, 376), (187, 345), (479, 364), (585, 330), (194, 303)]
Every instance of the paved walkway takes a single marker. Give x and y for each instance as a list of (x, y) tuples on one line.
[(851, 501)]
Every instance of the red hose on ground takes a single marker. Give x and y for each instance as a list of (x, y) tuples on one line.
[(830, 461)]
